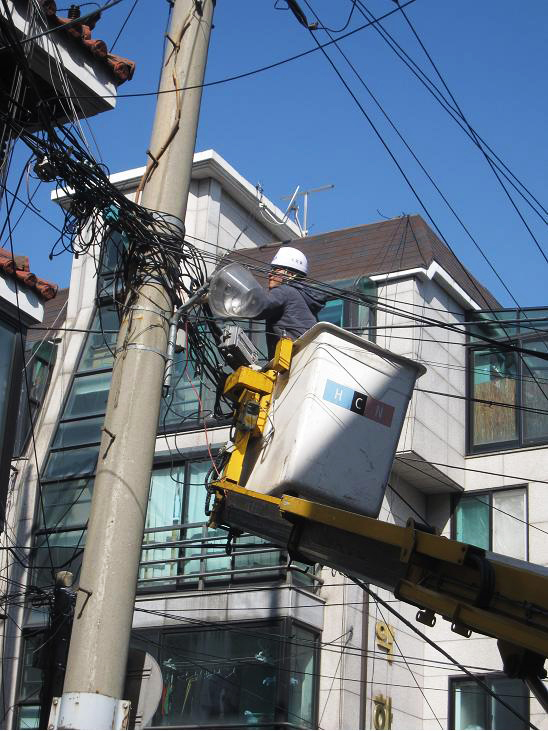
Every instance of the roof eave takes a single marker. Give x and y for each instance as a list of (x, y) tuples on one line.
[(208, 164)]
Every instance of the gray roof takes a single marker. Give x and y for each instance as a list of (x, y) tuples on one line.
[(395, 245)]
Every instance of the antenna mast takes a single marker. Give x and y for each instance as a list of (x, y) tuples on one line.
[(293, 205)]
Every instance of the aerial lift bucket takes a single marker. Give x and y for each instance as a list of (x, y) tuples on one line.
[(334, 422)]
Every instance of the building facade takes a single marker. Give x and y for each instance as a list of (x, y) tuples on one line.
[(247, 638)]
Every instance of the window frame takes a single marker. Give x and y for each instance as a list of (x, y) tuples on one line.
[(351, 311), (11, 408), (160, 638), (455, 499), (204, 580), (520, 337), (486, 677), (20, 703), (26, 422)]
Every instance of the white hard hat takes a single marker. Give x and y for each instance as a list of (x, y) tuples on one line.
[(289, 258)]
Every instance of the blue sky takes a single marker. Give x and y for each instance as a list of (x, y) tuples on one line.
[(297, 124)]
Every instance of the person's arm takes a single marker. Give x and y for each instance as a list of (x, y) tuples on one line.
[(272, 303)]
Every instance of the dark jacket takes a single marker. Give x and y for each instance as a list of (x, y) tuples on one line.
[(289, 309)]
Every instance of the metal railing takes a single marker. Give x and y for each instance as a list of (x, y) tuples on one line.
[(271, 563)]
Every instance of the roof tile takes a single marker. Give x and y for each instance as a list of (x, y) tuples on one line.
[(19, 267), (122, 69)]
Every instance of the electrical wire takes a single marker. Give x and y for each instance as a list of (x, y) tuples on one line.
[(440, 649), (128, 16), (245, 74), (438, 95), (461, 114), (69, 24)]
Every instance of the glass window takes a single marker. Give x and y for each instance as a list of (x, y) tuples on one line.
[(509, 523), (196, 514), (165, 508), (89, 395), (474, 708), (472, 521), (62, 550), (333, 312), (356, 316), (190, 399), (112, 251), (237, 676), (494, 378), (29, 717), (302, 690), (533, 321), (31, 677), (66, 504), (495, 521), (501, 325), (535, 393), (519, 380), (8, 337), (40, 360), (247, 555), (71, 463), (73, 433), (100, 346), (182, 402), (30, 683), (190, 551)]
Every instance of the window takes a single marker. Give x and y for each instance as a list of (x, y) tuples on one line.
[(180, 550), (8, 344), (471, 707), (30, 684), (189, 400), (247, 674), (359, 317), (11, 364), (259, 674), (40, 359), (495, 521), (518, 382)]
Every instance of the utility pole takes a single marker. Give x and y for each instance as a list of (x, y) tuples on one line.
[(103, 616)]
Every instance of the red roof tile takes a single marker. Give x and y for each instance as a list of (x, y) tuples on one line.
[(121, 68), (19, 267)]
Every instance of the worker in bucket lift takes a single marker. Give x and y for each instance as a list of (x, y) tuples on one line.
[(290, 307)]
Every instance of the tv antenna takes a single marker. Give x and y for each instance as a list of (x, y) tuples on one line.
[(293, 206)]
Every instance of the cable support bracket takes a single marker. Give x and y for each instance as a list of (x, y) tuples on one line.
[(137, 346)]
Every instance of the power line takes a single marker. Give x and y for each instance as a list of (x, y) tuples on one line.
[(438, 95), (488, 159), (245, 74), (69, 24), (123, 25), (419, 163), (412, 674), (437, 647)]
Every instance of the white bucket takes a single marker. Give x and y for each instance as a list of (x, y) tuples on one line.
[(335, 422)]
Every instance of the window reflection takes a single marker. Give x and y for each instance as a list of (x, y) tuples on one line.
[(237, 676), (494, 379)]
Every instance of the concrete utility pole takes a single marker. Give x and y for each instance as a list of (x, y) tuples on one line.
[(98, 652)]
